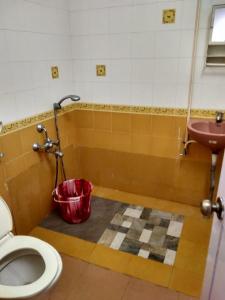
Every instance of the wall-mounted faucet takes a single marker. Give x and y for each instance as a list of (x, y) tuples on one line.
[(219, 116), (48, 145), (186, 147)]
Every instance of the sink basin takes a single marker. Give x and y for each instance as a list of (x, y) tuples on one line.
[(208, 133)]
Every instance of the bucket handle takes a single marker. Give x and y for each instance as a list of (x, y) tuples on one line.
[(70, 199)]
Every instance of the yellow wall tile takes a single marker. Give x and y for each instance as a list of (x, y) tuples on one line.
[(164, 126), (103, 120), (141, 124), (121, 122), (84, 119)]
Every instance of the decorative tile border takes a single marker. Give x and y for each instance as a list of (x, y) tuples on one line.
[(164, 111)]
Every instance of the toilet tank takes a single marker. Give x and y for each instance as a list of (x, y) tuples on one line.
[(6, 222)]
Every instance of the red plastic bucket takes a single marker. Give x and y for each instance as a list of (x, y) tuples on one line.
[(73, 199)]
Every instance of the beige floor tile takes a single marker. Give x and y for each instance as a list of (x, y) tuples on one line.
[(99, 284), (184, 297), (73, 272), (80, 280), (138, 289)]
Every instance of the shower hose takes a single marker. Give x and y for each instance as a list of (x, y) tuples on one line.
[(57, 157)]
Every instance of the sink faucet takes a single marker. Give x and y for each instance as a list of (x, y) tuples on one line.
[(219, 117)]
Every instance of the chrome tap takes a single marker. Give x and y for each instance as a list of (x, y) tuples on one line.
[(59, 154), (48, 143), (219, 116), (186, 147)]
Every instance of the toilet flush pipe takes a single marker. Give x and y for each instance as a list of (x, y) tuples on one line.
[(193, 62)]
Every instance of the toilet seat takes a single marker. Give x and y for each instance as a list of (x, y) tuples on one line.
[(51, 258)]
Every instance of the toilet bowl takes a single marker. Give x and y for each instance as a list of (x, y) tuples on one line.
[(28, 266)]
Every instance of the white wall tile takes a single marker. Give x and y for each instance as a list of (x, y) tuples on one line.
[(208, 82), (82, 70), (120, 46), (167, 44), (25, 103), (142, 70), (100, 47), (184, 70), (164, 95), (81, 47), (119, 70), (189, 14), (21, 76), (120, 93), (142, 94), (5, 78), (166, 70), (100, 92), (98, 20), (120, 19), (60, 4), (4, 53), (8, 110), (79, 22), (182, 95), (142, 18), (147, 62), (143, 44), (34, 35), (78, 4), (136, 34), (187, 41)]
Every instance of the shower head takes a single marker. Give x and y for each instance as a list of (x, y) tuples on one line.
[(57, 105)]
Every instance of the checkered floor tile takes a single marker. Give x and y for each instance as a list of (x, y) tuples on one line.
[(149, 233)]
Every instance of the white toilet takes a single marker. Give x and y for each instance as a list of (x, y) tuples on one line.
[(28, 266)]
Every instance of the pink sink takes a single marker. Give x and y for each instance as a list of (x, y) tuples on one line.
[(208, 133)]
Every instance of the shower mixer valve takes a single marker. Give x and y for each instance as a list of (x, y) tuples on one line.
[(49, 146)]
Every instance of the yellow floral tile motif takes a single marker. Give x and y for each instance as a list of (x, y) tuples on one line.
[(195, 113), (169, 16)]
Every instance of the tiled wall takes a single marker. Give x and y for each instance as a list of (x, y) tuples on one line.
[(209, 88), (34, 35), (27, 178), (147, 62), (138, 153)]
